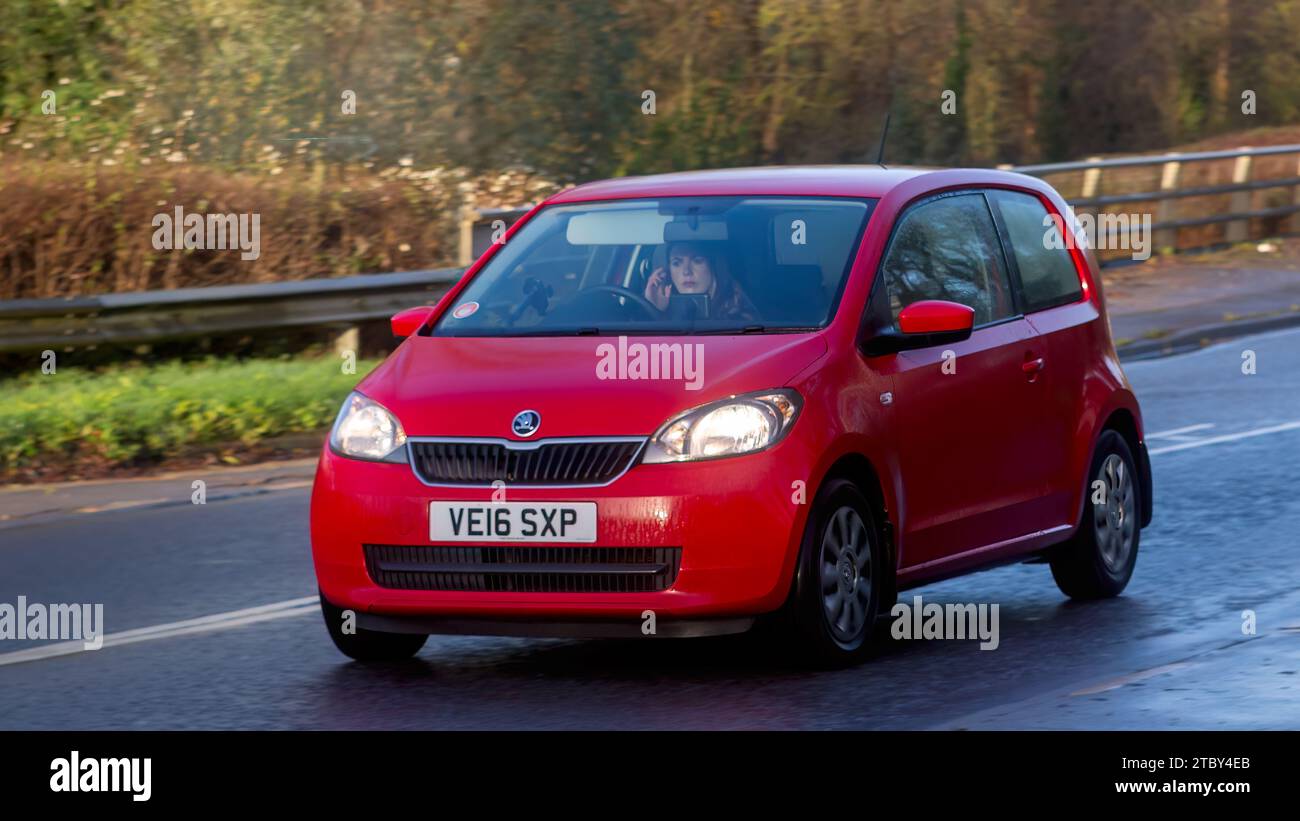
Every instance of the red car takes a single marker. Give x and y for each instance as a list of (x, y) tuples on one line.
[(674, 405)]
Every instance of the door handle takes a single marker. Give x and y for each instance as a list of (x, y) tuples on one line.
[(1033, 367)]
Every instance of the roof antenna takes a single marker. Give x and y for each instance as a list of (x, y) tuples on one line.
[(884, 132)]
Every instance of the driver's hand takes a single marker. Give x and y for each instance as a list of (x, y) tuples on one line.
[(658, 288)]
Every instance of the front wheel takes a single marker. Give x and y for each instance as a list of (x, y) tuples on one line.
[(1098, 561), (840, 577), (367, 645)]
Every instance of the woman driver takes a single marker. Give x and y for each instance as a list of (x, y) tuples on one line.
[(694, 269)]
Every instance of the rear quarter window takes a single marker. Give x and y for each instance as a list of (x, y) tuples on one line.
[(1047, 273)]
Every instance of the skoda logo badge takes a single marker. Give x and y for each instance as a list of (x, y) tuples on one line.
[(526, 423)]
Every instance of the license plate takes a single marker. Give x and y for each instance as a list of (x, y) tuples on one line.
[(512, 522)]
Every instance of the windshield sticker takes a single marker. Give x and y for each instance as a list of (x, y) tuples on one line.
[(464, 310)]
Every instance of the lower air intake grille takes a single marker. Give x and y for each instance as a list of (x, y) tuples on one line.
[(523, 569)]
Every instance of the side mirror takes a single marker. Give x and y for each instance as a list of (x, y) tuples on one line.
[(936, 316), (924, 324), (410, 321)]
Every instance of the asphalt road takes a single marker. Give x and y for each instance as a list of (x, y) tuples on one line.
[(1169, 653)]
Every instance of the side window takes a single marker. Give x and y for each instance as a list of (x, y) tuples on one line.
[(948, 249), (1047, 272)]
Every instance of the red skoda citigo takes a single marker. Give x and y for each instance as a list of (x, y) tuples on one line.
[(675, 405)]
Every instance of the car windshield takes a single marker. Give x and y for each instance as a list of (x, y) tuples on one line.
[(666, 266)]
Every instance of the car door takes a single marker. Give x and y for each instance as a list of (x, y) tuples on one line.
[(966, 417), (1052, 299)]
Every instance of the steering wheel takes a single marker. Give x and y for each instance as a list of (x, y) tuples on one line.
[(647, 307)]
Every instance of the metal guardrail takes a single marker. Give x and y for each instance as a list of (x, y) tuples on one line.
[(1151, 159), (1167, 222), (153, 316), (477, 226)]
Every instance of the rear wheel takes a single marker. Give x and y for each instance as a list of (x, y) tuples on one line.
[(1098, 561), (840, 577), (367, 645)]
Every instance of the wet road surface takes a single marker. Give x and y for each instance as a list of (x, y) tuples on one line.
[(1169, 653)]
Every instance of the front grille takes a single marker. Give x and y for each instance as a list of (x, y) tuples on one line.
[(554, 462), (512, 569)]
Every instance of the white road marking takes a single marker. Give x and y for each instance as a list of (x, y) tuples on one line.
[(203, 624), (1177, 433), (1228, 437)]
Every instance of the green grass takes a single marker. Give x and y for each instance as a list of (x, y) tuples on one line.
[(148, 412)]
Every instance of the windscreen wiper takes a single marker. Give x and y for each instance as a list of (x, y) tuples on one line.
[(745, 329)]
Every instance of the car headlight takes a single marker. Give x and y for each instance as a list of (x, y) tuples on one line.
[(365, 429), (729, 427)]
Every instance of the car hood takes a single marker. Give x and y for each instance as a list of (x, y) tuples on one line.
[(474, 386)]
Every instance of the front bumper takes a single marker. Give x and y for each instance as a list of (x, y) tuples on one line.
[(737, 521), (584, 628)]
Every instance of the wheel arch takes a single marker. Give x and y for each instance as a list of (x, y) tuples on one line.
[(857, 468), (1124, 422)]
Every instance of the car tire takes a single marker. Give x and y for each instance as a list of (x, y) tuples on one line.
[(840, 578), (368, 645), (1097, 562)]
